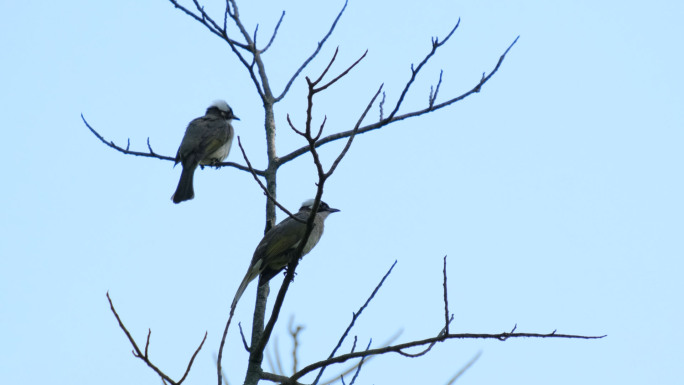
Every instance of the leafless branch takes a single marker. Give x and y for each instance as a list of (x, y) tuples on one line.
[(244, 340), (292, 126), (414, 72), (355, 316), (396, 348), (284, 380), (294, 332), (340, 76), (261, 87), (126, 150), (225, 16), (145, 357), (275, 32), (313, 90), (433, 95), (256, 178), (395, 118), (430, 346), (325, 71), (446, 301), (152, 154), (367, 359), (208, 22), (358, 368), (312, 56), (353, 134), (464, 368), (289, 276)]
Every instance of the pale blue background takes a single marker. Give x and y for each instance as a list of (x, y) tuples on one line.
[(556, 192)]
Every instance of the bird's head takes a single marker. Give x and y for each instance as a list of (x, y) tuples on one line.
[(222, 108), (322, 208)]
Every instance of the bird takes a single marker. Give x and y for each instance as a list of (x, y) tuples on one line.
[(279, 245), (207, 141)]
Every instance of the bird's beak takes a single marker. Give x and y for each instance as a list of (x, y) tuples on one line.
[(332, 210), (236, 118)]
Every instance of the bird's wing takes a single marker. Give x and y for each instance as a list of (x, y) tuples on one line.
[(284, 236), (204, 136), (215, 134)]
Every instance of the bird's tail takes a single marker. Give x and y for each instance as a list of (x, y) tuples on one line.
[(185, 191), (249, 277)]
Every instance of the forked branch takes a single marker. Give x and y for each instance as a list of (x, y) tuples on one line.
[(152, 154), (145, 355), (393, 117)]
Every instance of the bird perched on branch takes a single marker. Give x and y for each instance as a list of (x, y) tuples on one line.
[(207, 141), (279, 245)]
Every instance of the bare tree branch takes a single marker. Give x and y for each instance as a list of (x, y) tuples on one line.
[(279, 379), (152, 154), (433, 95), (275, 32), (313, 55), (340, 76), (145, 357), (367, 359), (353, 134), (244, 340), (126, 150), (414, 72), (294, 332), (358, 368), (355, 316), (386, 121), (446, 301), (430, 346), (464, 368), (208, 22), (256, 178), (257, 351), (396, 348)]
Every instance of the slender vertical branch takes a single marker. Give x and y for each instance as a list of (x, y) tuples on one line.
[(446, 300)]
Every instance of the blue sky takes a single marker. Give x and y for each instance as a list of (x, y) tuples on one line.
[(556, 192)]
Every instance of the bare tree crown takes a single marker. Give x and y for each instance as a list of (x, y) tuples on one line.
[(249, 53)]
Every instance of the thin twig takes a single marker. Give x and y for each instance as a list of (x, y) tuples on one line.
[(414, 72), (295, 343), (446, 301), (251, 169), (355, 316), (433, 95), (244, 340), (138, 353), (430, 346), (208, 22), (152, 154), (358, 368), (325, 71), (275, 32), (386, 121), (283, 380), (353, 134), (322, 88), (312, 56), (464, 368), (125, 150), (396, 348), (353, 367)]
